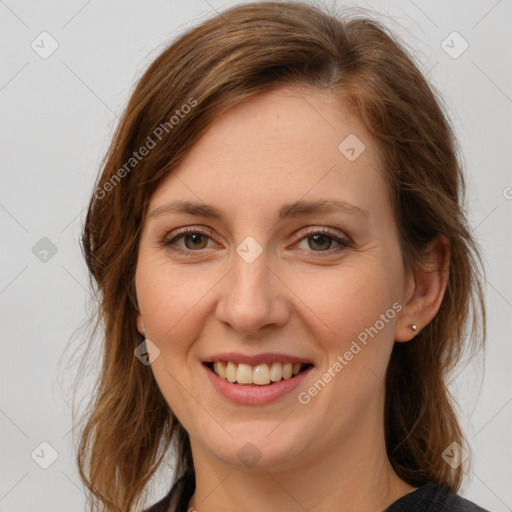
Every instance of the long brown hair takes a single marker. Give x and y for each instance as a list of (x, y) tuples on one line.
[(235, 56)]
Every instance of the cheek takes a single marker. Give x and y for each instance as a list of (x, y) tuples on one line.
[(355, 311), (349, 299), (172, 304), (169, 299)]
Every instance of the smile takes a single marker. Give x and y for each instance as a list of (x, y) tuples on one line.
[(256, 379), (261, 374)]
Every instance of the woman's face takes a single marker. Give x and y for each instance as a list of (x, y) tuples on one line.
[(273, 283)]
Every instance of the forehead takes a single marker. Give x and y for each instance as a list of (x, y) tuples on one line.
[(283, 146)]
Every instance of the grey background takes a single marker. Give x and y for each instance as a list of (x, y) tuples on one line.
[(58, 115)]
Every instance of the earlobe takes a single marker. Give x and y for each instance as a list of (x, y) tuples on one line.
[(140, 324), (405, 331), (428, 289)]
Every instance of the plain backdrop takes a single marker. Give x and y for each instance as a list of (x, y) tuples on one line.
[(58, 113)]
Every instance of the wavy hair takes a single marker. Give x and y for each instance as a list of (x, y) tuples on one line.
[(226, 60)]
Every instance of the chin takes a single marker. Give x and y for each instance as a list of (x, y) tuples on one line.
[(259, 451)]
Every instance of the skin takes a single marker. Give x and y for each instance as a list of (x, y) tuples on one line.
[(304, 297)]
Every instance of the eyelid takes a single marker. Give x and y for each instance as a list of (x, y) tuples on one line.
[(176, 234), (313, 230), (190, 229)]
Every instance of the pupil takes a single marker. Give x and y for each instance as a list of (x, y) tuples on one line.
[(321, 237), (195, 238)]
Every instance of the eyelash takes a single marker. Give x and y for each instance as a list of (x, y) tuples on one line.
[(168, 242)]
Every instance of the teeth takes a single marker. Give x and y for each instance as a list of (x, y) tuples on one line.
[(261, 374), (230, 372), (219, 370), (276, 372), (244, 374)]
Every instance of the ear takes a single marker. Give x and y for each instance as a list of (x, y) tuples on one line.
[(133, 297), (140, 324), (425, 288)]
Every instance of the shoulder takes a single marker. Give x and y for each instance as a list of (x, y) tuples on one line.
[(177, 499), (433, 497), (162, 505)]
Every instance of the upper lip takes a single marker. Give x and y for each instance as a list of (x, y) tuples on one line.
[(253, 360)]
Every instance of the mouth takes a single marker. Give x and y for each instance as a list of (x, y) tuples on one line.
[(262, 374)]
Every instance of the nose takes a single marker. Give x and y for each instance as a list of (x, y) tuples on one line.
[(252, 298)]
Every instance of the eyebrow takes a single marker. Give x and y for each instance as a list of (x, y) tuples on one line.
[(286, 211)]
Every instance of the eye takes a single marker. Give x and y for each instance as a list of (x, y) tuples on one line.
[(195, 239), (322, 239)]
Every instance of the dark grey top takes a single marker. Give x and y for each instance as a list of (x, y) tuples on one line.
[(431, 497)]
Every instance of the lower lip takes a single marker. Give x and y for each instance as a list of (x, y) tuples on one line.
[(252, 394)]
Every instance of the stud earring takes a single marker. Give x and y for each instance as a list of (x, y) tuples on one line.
[(413, 327)]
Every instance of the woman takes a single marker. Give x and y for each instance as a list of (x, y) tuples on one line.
[(286, 275)]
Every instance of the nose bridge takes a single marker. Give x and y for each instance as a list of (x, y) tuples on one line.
[(251, 297)]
